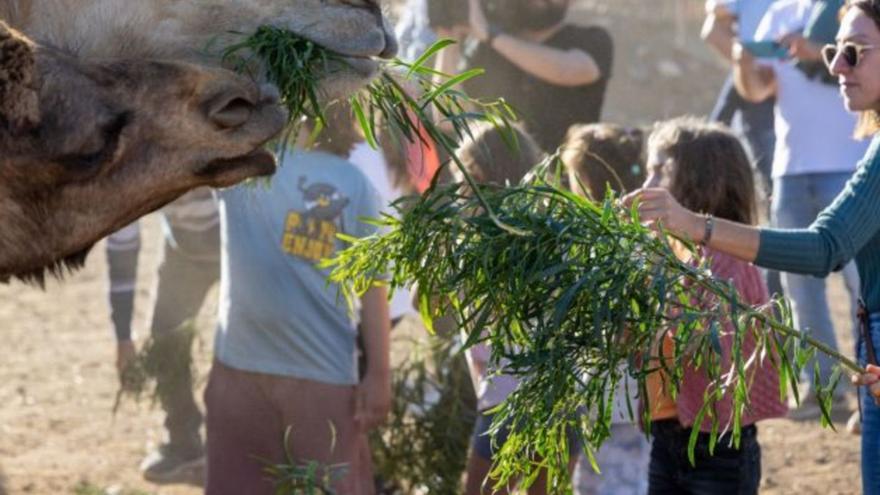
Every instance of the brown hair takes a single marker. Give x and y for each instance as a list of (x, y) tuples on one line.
[(604, 155), (712, 172), (869, 120), (491, 159), (339, 134)]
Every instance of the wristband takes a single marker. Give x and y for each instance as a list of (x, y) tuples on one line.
[(710, 227)]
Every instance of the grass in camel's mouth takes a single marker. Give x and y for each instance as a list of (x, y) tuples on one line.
[(294, 64)]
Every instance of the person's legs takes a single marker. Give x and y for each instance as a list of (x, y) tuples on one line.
[(726, 471), (827, 187), (870, 425), (623, 459), (664, 469), (244, 430), (322, 429), (180, 292), (480, 458), (796, 203)]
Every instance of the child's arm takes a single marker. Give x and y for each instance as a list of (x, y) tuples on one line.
[(373, 398)]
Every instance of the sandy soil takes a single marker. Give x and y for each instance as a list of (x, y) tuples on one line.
[(58, 383)]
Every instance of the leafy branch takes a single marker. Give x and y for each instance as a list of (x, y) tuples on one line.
[(574, 294), (572, 309)]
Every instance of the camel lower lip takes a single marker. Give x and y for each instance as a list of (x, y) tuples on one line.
[(256, 163), (366, 67)]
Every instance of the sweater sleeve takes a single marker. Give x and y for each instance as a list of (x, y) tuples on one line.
[(839, 232)]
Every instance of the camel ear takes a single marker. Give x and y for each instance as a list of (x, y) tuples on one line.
[(19, 102)]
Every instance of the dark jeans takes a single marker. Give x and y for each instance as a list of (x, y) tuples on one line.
[(182, 285), (870, 418), (728, 472)]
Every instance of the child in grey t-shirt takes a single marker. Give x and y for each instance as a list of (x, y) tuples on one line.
[(285, 346)]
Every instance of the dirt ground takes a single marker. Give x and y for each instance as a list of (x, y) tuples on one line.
[(58, 383)]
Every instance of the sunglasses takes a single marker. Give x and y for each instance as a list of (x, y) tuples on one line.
[(851, 53)]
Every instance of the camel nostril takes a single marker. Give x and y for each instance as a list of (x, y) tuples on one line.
[(232, 113)]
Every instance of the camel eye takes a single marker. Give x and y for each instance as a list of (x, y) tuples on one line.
[(99, 149)]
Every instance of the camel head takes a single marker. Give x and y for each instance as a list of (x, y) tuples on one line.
[(110, 109), (199, 30)]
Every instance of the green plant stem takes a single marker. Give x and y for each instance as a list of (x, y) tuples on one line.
[(438, 137), (819, 345)]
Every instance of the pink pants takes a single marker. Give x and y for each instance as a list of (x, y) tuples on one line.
[(247, 415)]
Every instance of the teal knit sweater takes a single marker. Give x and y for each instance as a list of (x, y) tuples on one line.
[(848, 229)]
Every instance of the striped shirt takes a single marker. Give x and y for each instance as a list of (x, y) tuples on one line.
[(190, 226)]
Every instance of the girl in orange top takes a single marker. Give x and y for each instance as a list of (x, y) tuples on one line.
[(705, 168)]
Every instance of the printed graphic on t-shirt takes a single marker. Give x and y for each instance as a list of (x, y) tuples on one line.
[(311, 234)]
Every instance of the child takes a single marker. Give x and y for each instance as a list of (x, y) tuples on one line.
[(595, 157), (603, 155), (285, 347), (489, 159), (706, 169)]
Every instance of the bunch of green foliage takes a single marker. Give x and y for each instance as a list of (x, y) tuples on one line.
[(295, 477), (167, 356), (424, 445), (292, 63)]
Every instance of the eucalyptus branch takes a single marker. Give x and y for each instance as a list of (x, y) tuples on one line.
[(571, 294), (570, 308)]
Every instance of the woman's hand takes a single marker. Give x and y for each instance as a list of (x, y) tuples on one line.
[(658, 207), (871, 379)]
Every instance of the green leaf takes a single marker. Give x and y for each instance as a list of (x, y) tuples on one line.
[(429, 52)]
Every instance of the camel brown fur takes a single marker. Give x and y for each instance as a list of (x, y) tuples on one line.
[(118, 107)]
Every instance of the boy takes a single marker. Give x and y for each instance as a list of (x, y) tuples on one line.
[(285, 352)]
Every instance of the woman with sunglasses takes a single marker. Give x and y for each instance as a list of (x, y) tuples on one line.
[(815, 155), (848, 229)]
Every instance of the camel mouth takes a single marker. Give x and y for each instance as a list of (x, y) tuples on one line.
[(227, 172), (367, 67)]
